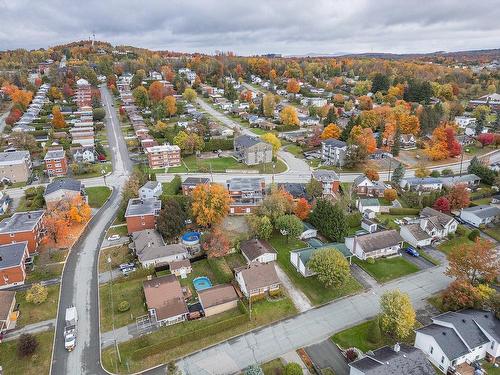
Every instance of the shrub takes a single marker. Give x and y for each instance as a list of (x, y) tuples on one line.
[(446, 172), (27, 345), (435, 174), (374, 334), (354, 219), (123, 306), (403, 211), (370, 260), (474, 234), (451, 235), (37, 294), (293, 368), (351, 355)]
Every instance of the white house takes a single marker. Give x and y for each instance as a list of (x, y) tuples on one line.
[(258, 251), (455, 339), (315, 102), (299, 258), (151, 251), (465, 121), (375, 245), (480, 215), (372, 204), (151, 189), (333, 152), (421, 184), (256, 279), (432, 225)]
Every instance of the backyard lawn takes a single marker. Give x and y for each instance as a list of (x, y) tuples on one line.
[(118, 254), (121, 230), (97, 195), (39, 363), (311, 287), (493, 232), (387, 220), (447, 246), (295, 150), (263, 312), (194, 164), (31, 313), (387, 269), (357, 336)]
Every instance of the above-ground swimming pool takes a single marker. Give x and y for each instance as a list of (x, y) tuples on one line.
[(191, 238), (202, 283)]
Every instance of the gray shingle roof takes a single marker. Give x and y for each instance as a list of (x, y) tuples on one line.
[(63, 184), (483, 211), (417, 232), (12, 254), (252, 249), (325, 175), (21, 222), (332, 142), (246, 141), (442, 218), (466, 327), (13, 157), (54, 154), (422, 181), (245, 184), (486, 320), (194, 181), (447, 339), (151, 185), (379, 240), (140, 207)]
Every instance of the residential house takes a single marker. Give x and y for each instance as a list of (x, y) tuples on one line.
[(12, 264), (258, 251), (190, 183), (180, 268), (455, 339), (471, 180), (15, 166), (333, 152), (363, 186), (315, 102), (165, 300), (83, 154), (491, 100), (151, 189), (257, 279), (8, 310), (300, 258), (368, 224), (151, 251), (66, 188), (217, 299), (252, 151), (408, 142), (142, 213), (431, 226), (480, 215), (396, 360), (329, 179), (56, 163), (375, 245), (371, 204), (23, 227), (163, 156), (421, 183), (246, 194), (465, 140), (296, 189), (465, 121)]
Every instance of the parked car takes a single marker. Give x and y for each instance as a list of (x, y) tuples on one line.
[(410, 250), (114, 237), (127, 268)]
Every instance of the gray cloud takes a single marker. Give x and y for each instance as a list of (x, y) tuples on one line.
[(258, 26)]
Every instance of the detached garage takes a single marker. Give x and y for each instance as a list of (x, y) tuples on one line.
[(218, 299)]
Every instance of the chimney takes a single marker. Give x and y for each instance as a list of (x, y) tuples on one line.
[(397, 348)]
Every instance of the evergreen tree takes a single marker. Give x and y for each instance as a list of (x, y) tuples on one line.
[(397, 143), (398, 174), (344, 136), (331, 116), (261, 107), (380, 82), (329, 219), (229, 92), (480, 123)]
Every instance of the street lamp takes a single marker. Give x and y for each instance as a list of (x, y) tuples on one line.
[(103, 172), (113, 309)]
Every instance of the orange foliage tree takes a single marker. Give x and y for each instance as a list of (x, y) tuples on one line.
[(56, 226), (289, 116), (171, 105), (437, 149), (79, 210), (372, 174), (365, 102), (293, 86), (364, 138), (216, 244), (302, 209), (459, 197), (210, 204), (57, 118), (390, 194), (156, 91), (331, 131)]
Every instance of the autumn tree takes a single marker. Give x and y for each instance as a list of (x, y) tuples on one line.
[(189, 95), (390, 194), (459, 197), (372, 174), (269, 104), (37, 294), (261, 226), (460, 294), (210, 204), (363, 138), (54, 93), (216, 244), (442, 204), (486, 139), (474, 262), (314, 188), (289, 226), (273, 140), (278, 203), (170, 105), (14, 116), (362, 88), (57, 118), (302, 209), (141, 97), (421, 171), (365, 103), (171, 220), (331, 267), (55, 226), (398, 316), (156, 91), (331, 131), (189, 142), (289, 117), (293, 86)]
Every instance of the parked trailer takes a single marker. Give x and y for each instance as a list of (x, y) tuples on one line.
[(70, 328)]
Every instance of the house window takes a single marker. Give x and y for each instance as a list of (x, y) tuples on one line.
[(432, 350), (492, 344), (11, 234), (442, 359)]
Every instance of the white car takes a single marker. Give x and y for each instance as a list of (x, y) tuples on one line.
[(114, 237)]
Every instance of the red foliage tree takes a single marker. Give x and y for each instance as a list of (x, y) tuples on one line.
[(454, 148), (460, 295), (217, 244), (67, 91), (14, 116), (486, 139), (459, 197), (302, 209), (442, 204)]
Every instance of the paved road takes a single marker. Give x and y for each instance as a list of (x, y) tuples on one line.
[(308, 328), (3, 117), (80, 279)]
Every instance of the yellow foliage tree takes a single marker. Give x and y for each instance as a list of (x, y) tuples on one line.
[(331, 131), (398, 317), (57, 118), (210, 204), (273, 140), (170, 105), (289, 116)]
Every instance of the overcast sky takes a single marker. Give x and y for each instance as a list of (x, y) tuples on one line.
[(256, 26)]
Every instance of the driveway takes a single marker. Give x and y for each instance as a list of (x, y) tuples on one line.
[(420, 262), (327, 355), (299, 299), (363, 277)]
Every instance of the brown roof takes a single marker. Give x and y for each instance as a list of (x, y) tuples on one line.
[(6, 297), (252, 249), (177, 264), (379, 240), (258, 275), (164, 294), (217, 295)]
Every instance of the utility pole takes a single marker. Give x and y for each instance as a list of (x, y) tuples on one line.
[(461, 161), (390, 166), (113, 310)]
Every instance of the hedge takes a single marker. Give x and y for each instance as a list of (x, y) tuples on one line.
[(403, 211), (172, 342), (218, 144)]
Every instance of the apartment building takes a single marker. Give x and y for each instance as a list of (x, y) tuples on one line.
[(164, 156)]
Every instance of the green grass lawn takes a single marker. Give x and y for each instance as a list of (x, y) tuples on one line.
[(97, 195), (31, 313), (493, 232), (263, 312), (387, 220), (312, 288), (296, 151), (273, 367), (481, 201), (172, 187), (490, 370), (37, 364), (97, 171), (220, 165), (44, 272), (120, 230), (384, 270), (357, 336), (259, 131), (123, 290), (449, 245), (118, 254)]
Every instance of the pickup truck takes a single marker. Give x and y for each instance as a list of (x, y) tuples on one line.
[(70, 328)]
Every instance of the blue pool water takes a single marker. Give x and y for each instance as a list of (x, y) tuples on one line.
[(191, 237), (202, 283)]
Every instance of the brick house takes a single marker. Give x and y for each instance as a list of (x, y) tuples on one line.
[(12, 264), (163, 156), (190, 183), (142, 213), (246, 194), (363, 186), (56, 163), (15, 166), (23, 226)]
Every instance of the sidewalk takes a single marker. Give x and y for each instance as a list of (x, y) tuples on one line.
[(31, 328), (299, 299)]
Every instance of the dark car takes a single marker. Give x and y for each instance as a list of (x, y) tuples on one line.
[(410, 250)]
